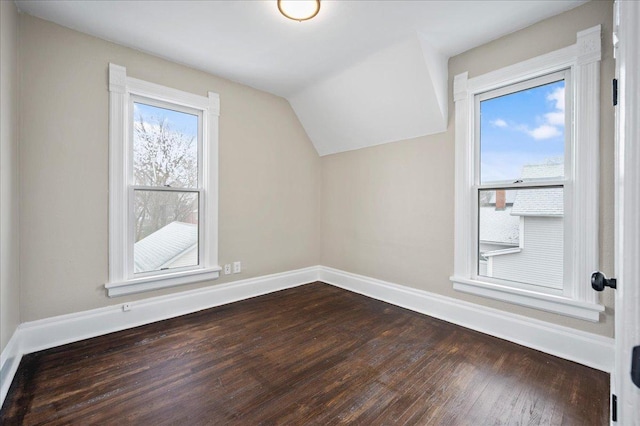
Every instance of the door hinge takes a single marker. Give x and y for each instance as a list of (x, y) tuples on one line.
[(614, 408), (614, 91)]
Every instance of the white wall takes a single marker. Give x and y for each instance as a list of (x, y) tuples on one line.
[(387, 211), (269, 171), (9, 284)]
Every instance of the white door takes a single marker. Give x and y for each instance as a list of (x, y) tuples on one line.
[(627, 229)]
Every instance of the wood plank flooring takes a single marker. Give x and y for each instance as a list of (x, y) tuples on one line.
[(314, 354)]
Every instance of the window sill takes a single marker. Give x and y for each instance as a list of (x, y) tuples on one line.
[(156, 282), (546, 302)]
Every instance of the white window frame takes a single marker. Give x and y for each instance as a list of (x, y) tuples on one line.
[(563, 75), (123, 90), (581, 186)]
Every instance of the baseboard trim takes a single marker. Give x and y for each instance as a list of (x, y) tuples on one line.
[(584, 348), (9, 361), (47, 333), (60, 330)]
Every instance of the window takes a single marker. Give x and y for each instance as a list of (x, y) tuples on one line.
[(163, 186), (527, 182), (521, 144)]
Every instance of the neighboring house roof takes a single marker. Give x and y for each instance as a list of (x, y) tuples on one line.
[(539, 202), (499, 226), (159, 249), (542, 171)]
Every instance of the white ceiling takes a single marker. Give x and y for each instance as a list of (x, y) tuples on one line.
[(397, 93), (251, 43)]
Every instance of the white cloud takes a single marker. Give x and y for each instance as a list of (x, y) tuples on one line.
[(549, 124), (555, 118), (557, 96), (544, 131), (550, 127)]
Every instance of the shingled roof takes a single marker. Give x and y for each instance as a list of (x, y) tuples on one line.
[(539, 202), (499, 226), (160, 248), (545, 171)]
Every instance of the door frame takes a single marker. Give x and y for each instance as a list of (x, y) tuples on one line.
[(627, 214)]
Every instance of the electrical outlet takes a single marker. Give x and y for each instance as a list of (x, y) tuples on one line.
[(227, 269), (237, 267), (126, 307)]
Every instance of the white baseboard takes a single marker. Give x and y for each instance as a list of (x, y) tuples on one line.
[(584, 348), (578, 346), (55, 331), (60, 330), (9, 361)]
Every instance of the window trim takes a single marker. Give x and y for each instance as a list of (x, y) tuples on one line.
[(583, 59), (122, 91)]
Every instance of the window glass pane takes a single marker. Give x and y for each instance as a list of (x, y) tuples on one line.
[(521, 235), (166, 230), (165, 147), (522, 129)]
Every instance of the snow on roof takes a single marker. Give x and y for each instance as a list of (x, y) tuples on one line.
[(155, 250), (539, 202), (499, 226)]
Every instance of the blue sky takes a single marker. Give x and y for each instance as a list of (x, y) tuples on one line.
[(521, 128), (178, 121)]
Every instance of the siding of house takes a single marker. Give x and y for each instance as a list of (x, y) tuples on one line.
[(540, 261)]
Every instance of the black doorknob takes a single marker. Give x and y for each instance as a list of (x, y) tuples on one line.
[(599, 281)]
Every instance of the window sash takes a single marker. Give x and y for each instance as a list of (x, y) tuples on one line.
[(522, 185), (565, 183), (136, 98), (131, 274), (132, 232), (476, 244), (519, 86), (165, 188)]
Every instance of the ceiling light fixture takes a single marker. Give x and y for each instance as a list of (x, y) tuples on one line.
[(299, 10)]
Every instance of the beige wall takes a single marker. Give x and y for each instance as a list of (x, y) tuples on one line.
[(387, 211), (269, 171), (9, 283)]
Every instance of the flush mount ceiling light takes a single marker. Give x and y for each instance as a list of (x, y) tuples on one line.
[(299, 10)]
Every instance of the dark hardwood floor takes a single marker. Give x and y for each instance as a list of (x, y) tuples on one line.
[(314, 354)]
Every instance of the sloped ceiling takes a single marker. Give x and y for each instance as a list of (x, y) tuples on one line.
[(397, 93), (361, 73)]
